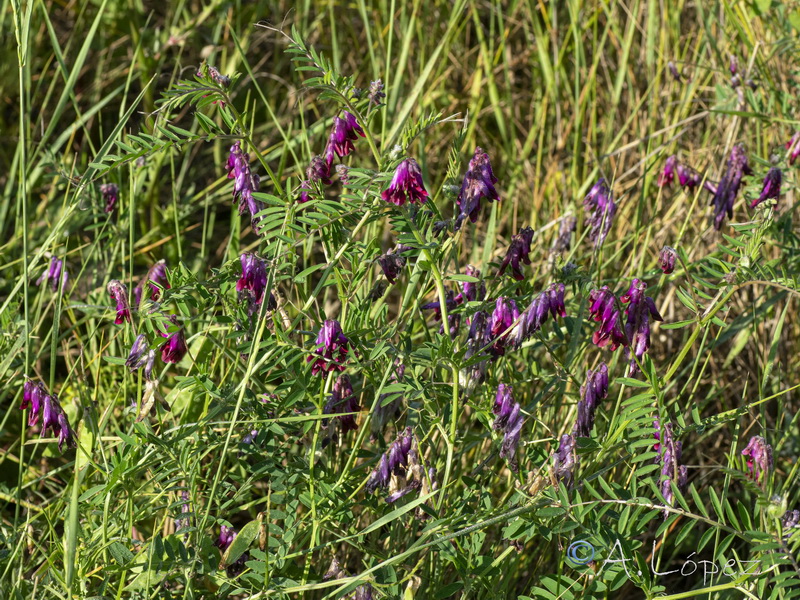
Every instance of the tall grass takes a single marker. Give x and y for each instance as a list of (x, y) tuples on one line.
[(558, 94)]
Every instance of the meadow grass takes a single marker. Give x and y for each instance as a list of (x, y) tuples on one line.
[(558, 94)]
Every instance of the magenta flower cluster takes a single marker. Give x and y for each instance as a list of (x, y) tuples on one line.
[(41, 404)]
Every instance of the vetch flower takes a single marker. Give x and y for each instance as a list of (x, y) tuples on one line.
[(376, 94), (392, 262), (549, 302), (119, 293), (245, 182), (406, 184), (470, 377), (793, 146), (563, 241), (54, 274), (53, 416), (637, 326), (729, 185), (518, 251), (110, 193), (603, 309), (332, 348), (343, 400), (318, 171), (453, 320), (183, 521), (771, 188), (174, 349), (253, 281), (565, 460), (340, 142), (503, 317), (592, 393), (666, 259), (471, 291), (600, 210), (668, 174), (671, 471), (478, 183), (223, 542), (33, 393), (394, 460), (141, 355), (674, 71), (156, 276), (509, 419), (734, 65), (759, 458), (305, 187), (688, 177)]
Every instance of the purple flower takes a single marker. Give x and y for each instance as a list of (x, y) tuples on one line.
[(253, 281), (666, 259), (183, 521), (110, 193), (119, 293), (245, 182), (55, 419), (603, 309), (688, 177), (453, 320), (509, 419), (668, 174), (592, 392), (504, 315), (772, 187), (331, 352), (637, 326), (563, 241), (565, 460), (54, 274), (343, 172), (479, 336), (793, 146), (729, 185), (674, 71), (141, 356), (340, 142), (471, 291), (33, 394), (478, 183), (376, 94), (549, 302), (600, 209), (305, 187), (791, 519), (759, 458), (406, 184), (174, 349), (343, 400), (226, 537), (392, 262), (156, 276), (671, 470), (734, 65), (394, 460), (363, 592), (318, 171), (518, 251), (656, 436)]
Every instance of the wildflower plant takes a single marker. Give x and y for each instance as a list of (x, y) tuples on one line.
[(406, 317)]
